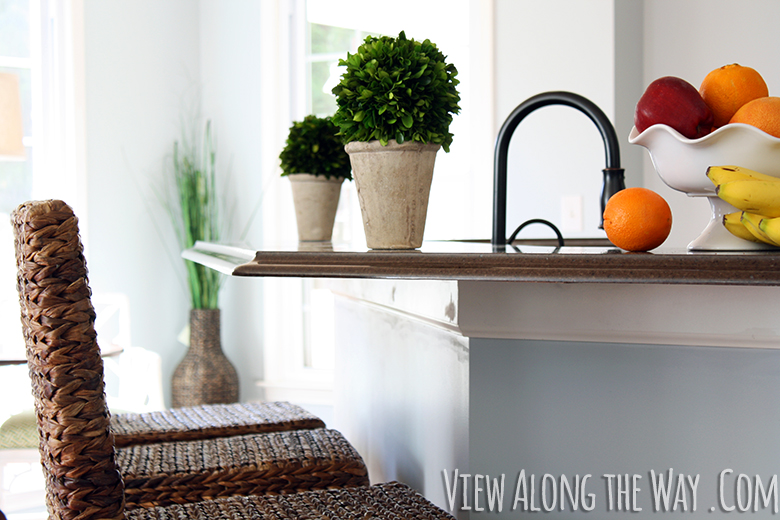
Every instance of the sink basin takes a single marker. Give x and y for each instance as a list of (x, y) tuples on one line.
[(553, 242), (568, 242)]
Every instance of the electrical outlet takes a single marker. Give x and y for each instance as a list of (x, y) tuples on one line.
[(571, 213)]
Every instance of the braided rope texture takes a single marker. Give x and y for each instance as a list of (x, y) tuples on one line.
[(76, 444), (210, 421), (388, 501), (278, 462)]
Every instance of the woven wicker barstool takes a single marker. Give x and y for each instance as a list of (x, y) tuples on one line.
[(76, 441), (186, 423)]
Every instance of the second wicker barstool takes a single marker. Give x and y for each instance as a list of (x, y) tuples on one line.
[(210, 421)]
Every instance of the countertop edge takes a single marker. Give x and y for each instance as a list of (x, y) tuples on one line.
[(556, 267)]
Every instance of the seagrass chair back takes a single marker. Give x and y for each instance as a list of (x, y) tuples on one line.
[(76, 443)]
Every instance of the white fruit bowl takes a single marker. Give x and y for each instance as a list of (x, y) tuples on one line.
[(682, 164)]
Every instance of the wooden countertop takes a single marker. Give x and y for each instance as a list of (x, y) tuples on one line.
[(469, 260)]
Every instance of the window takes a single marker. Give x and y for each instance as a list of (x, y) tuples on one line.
[(302, 46), (39, 43), (326, 46), (16, 59), (302, 370), (15, 176)]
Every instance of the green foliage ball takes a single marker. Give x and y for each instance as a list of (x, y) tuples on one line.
[(314, 147), (397, 88)]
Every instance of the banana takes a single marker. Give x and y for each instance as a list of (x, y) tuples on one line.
[(752, 222), (723, 174), (757, 195), (771, 228), (754, 196), (734, 226)]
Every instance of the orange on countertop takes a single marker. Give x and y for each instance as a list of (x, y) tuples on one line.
[(727, 88), (763, 113), (637, 219)]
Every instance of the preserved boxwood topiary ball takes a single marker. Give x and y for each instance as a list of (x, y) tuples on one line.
[(314, 147), (397, 88)]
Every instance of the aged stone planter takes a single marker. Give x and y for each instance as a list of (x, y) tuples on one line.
[(393, 183), (316, 199)]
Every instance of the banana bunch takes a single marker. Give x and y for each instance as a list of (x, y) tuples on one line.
[(757, 195)]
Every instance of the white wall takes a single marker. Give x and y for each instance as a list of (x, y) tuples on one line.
[(148, 64), (590, 48), (140, 57), (685, 39), (231, 82), (549, 45)]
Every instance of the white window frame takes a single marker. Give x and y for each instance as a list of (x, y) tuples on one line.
[(286, 376), (59, 111), (57, 139), (284, 42)]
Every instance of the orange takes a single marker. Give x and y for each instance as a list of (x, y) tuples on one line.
[(729, 87), (637, 219), (763, 113)]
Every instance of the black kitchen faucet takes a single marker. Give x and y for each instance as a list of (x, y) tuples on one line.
[(613, 173)]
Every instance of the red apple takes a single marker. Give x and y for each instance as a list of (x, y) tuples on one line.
[(674, 102)]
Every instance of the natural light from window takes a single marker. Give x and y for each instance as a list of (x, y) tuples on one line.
[(309, 39)]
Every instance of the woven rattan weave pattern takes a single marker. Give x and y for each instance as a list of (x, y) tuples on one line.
[(279, 462), (390, 501), (76, 444), (210, 421)]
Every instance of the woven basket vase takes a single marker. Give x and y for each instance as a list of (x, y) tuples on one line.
[(205, 375)]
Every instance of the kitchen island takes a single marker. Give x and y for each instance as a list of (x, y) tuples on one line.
[(547, 365)]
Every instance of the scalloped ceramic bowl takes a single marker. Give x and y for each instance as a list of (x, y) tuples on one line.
[(682, 164)]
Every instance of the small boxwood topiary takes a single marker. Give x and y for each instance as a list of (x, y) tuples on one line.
[(314, 147), (397, 88)]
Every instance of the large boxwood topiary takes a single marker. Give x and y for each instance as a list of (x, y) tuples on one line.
[(397, 88)]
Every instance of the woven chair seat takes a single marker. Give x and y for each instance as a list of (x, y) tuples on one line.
[(278, 462), (210, 421), (19, 432), (186, 423), (380, 502)]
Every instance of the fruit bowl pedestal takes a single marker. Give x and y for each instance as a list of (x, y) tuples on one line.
[(682, 164)]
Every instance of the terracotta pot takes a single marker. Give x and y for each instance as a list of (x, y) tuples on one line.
[(393, 183), (205, 375), (316, 199)]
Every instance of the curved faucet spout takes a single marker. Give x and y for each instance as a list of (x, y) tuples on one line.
[(613, 173)]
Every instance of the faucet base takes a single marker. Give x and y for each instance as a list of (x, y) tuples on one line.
[(614, 181)]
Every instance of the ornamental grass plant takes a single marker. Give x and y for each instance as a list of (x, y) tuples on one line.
[(397, 88), (196, 214)]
